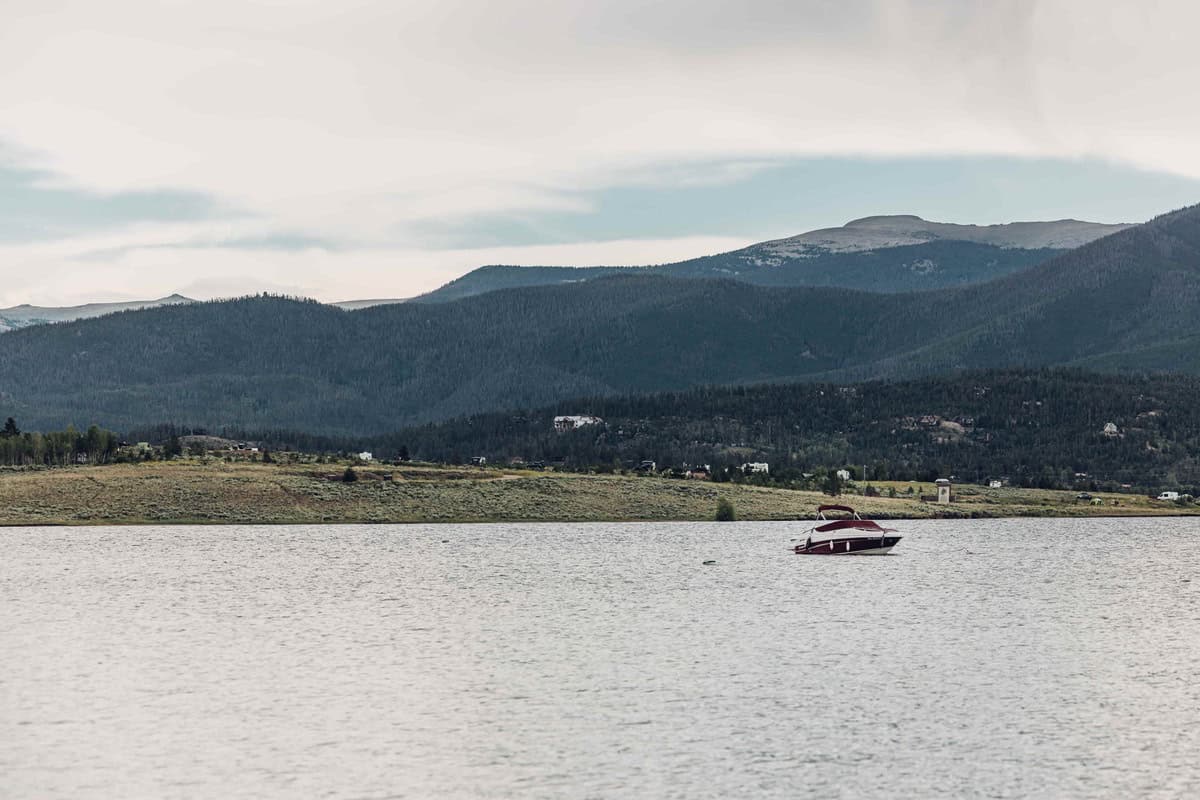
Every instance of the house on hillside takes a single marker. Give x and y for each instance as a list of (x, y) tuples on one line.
[(571, 422), (843, 474), (479, 461), (995, 483), (1110, 429), (366, 457), (756, 467)]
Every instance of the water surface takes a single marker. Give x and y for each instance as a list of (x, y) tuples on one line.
[(1009, 658)]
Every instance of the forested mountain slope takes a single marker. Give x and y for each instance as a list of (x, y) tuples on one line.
[(1037, 427), (880, 254), (1126, 301)]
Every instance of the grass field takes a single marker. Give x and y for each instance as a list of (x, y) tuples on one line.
[(190, 491)]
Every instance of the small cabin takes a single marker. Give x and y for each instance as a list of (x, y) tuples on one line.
[(943, 491), (365, 457)]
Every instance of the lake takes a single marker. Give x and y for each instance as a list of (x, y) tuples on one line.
[(1001, 658)]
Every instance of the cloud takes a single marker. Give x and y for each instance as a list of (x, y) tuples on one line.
[(369, 124), (34, 207)]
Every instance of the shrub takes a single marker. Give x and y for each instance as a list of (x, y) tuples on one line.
[(724, 510), (349, 476)]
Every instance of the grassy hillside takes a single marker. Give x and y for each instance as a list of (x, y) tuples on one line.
[(216, 492)]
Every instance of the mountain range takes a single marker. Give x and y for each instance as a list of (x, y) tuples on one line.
[(881, 254), (1126, 302)]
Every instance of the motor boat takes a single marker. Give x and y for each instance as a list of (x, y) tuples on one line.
[(854, 536)]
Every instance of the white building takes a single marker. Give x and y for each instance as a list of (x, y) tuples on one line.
[(943, 491), (843, 474), (1110, 429), (761, 467), (570, 422), (365, 456)]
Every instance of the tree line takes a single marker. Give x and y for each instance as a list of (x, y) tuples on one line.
[(56, 448), (1050, 428)]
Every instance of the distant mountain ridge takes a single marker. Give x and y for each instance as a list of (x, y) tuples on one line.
[(354, 305), (882, 253), (1128, 302), (898, 230), (25, 315)]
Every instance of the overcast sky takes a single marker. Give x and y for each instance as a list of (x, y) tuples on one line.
[(369, 148)]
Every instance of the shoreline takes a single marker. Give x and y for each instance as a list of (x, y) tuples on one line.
[(213, 492)]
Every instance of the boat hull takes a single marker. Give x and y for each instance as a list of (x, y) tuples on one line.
[(849, 546)]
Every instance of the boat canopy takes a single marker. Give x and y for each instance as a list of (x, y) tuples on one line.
[(853, 524), (823, 509)]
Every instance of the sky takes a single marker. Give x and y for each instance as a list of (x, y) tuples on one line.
[(379, 148)]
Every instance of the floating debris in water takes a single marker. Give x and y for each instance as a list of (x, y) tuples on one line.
[(711, 561)]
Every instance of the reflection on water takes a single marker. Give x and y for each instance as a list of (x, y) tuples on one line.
[(1052, 658)]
